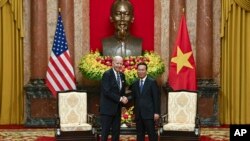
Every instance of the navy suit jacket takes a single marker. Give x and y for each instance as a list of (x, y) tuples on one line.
[(146, 103), (110, 93)]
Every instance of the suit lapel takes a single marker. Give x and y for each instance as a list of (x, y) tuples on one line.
[(138, 87), (123, 80), (145, 86), (114, 77)]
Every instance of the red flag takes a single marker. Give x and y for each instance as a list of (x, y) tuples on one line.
[(60, 74), (182, 69)]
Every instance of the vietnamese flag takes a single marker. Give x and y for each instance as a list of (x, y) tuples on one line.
[(182, 70)]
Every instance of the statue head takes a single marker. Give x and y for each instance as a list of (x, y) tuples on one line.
[(122, 15)]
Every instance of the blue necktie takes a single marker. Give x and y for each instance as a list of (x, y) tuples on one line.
[(118, 79), (141, 85)]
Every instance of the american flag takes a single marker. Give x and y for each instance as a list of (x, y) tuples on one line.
[(60, 74)]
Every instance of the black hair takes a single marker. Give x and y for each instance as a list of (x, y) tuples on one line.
[(142, 63)]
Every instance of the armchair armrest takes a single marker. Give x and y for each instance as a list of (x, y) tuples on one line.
[(163, 119), (91, 119)]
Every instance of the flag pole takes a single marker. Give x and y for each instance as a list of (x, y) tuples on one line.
[(56, 80), (182, 71)]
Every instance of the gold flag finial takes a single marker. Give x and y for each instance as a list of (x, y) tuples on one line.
[(183, 10), (59, 10)]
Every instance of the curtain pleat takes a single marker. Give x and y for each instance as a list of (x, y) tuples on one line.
[(235, 43), (11, 62), (2, 2), (244, 4)]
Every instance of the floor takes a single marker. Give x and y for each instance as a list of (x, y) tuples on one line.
[(18, 133)]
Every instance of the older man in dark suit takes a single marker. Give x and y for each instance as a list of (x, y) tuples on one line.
[(146, 97), (112, 96)]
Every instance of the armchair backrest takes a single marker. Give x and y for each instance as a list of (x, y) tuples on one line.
[(72, 107), (182, 107)]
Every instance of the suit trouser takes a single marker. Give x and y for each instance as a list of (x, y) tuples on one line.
[(143, 126), (113, 122)]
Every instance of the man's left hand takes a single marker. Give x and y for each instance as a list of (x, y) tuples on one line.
[(156, 117)]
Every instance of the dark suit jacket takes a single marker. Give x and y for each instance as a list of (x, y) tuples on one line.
[(148, 102), (110, 93)]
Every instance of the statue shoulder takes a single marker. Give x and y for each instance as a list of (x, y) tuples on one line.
[(112, 39), (138, 39), (131, 47), (135, 41), (109, 39)]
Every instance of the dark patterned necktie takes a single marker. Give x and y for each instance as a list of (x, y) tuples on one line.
[(118, 79), (141, 85)]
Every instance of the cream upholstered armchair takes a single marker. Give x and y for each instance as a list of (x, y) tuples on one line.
[(182, 121), (73, 122)]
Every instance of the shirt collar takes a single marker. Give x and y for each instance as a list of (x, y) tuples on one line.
[(115, 71), (143, 79)]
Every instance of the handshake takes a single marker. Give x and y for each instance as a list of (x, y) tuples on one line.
[(124, 100)]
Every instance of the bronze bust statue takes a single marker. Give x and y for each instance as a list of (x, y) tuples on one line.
[(122, 43)]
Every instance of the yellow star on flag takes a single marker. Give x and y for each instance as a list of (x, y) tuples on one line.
[(181, 59)]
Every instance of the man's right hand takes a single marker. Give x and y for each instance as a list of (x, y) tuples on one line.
[(124, 100)]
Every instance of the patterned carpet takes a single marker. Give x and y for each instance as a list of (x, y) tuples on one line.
[(25, 134), (215, 134), (207, 134)]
